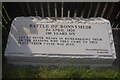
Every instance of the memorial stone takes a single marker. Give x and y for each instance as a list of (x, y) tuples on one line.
[(60, 41)]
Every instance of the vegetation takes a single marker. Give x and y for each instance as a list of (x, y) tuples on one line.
[(57, 72)]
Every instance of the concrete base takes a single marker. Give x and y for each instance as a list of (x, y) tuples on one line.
[(58, 61)]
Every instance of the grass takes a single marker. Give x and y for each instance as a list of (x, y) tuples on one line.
[(59, 72)]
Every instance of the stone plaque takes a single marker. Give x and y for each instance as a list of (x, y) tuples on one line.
[(60, 37)]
